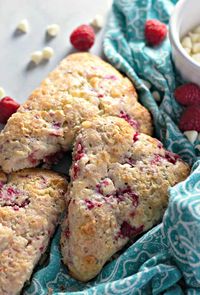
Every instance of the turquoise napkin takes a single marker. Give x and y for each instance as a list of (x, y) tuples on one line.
[(166, 260)]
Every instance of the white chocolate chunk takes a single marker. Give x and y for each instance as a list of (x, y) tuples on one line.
[(53, 30), (36, 57), (186, 42), (98, 21), (108, 187), (156, 95), (197, 147), (194, 37), (2, 93), (197, 29), (191, 135), (188, 50), (47, 52), (196, 48), (146, 83), (23, 26), (196, 57)]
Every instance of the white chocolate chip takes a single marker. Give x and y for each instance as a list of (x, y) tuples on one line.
[(36, 57), (53, 30), (186, 42), (196, 48), (196, 57), (108, 187), (156, 95), (98, 21), (197, 147), (146, 83), (188, 50), (47, 52), (23, 26), (191, 135), (196, 30), (194, 37), (2, 93)]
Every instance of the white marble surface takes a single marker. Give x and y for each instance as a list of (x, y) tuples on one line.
[(17, 76)]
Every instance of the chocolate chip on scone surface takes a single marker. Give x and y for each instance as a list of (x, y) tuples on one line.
[(31, 203), (118, 189), (81, 87)]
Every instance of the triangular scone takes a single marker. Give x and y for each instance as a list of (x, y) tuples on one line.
[(81, 87), (31, 203), (118, 189)]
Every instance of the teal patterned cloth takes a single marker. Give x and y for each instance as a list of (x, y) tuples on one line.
[(166, 260)]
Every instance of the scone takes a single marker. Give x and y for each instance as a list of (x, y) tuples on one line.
[(118, 189), (31, 203), (81, 87)]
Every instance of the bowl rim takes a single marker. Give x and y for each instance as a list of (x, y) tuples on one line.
[(176, 41)]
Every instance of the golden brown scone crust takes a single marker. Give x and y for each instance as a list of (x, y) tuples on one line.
[(81, 87), (118, 189), (31, 203)]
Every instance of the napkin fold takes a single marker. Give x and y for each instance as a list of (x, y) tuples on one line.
[(165, 260)]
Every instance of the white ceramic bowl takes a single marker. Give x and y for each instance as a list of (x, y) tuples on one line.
[(185, 17)]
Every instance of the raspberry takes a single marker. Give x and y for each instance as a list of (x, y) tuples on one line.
[(135, 137), (171, 157), (128, 119), (79, 151), (53, 158), (155, 31), (128, 231), (8, 106), (90, 204), (188, 94), (190, 119), (83, 37)]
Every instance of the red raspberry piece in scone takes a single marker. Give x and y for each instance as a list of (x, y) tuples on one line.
[(119, 191)]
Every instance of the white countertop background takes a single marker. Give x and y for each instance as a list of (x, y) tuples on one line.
[(17, 76)]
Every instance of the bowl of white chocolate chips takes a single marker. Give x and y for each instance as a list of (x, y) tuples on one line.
[(184, 33), (191, 43)]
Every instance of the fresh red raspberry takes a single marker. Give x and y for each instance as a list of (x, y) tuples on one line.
[(83, 37), (190, 119), (188, 94), (8, 106), (155, 31)]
